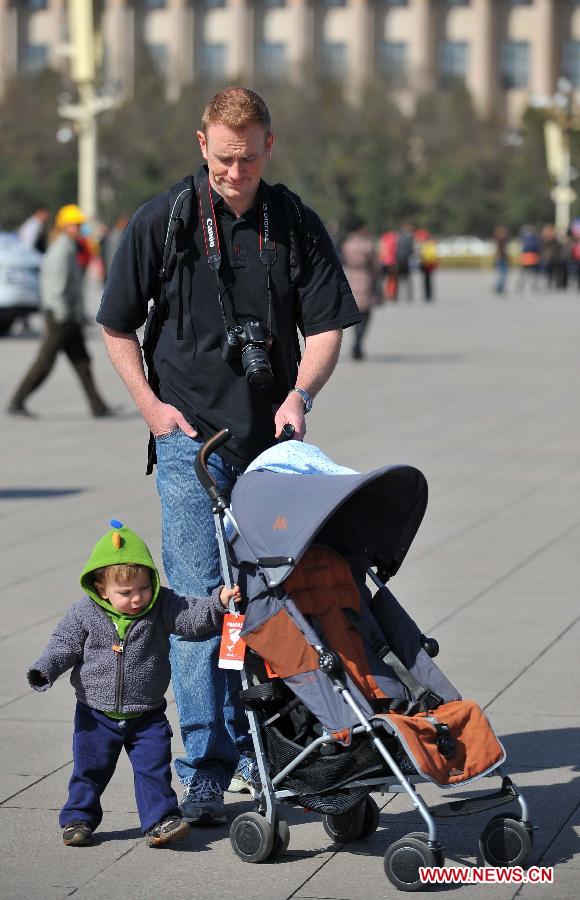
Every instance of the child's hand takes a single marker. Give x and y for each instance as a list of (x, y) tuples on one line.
[(227, 594)]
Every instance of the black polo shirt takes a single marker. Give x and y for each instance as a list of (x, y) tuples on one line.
[(193, 376)]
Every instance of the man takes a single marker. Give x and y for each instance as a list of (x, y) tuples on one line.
[(61, 298), (222, 282), (34, 230)]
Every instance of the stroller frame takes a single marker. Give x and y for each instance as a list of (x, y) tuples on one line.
[(274, 833)]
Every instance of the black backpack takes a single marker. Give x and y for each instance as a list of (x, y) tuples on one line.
[(182, 218)]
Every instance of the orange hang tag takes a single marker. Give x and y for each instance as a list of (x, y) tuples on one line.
[(233, 647), (270, 672)]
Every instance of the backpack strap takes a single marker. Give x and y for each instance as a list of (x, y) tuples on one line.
[(174, 248)]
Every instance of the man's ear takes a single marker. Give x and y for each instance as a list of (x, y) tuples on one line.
[(269, 144), (202, 143)]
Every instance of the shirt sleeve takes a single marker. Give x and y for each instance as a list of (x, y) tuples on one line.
[(192, 617), (325, 300), (63, 651), (134, 276)]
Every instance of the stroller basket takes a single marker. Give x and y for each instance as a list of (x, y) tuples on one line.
[(321, 782)]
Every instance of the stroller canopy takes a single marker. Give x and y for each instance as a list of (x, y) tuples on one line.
[(374, 516)]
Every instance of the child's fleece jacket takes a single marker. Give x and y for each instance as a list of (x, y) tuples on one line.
[(120, 663)]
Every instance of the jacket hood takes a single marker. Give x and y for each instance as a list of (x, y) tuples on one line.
[(118, 546)]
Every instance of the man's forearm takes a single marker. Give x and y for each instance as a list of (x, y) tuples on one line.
[(125, 353), (318, 362)]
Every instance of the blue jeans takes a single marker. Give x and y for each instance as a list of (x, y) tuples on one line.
[(214, 726), (97, 744)]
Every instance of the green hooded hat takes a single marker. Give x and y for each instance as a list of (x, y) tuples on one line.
[(120, 545)]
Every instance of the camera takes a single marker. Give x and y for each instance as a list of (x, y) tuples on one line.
[(251, 343)]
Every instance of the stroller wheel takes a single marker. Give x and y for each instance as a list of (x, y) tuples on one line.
[(406, 856), (252, 837), (506, 840), (347, 826), (281, 839), (372, 818)]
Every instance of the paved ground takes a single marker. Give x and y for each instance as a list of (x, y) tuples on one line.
[(481, 394)]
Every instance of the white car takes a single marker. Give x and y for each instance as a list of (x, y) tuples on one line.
[(19, 280), (466, 246)]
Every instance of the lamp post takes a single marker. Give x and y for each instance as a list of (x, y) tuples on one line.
[(557, 131), (84, 113)]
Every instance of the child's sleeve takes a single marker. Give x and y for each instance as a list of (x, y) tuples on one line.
[(192, 617), (64, 650)]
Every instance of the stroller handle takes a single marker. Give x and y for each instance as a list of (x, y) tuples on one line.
[(201, 470)]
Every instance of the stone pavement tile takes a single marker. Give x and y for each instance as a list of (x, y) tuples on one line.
[(13, 784), (565, 846), (54, 705), (565, 887), (551, 684), (35, 748), (37, 866)]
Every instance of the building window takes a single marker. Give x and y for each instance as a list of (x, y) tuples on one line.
[(271, 3), (458, 2), (213, 61), (521, 2), (335, 2), (515, 64), (214, 4), (36, 4), (572, 62), (453, 60), (397, 2), (272, 59), (34, 57), (159, 53), (392, 62), (154, 4), (333, 60)]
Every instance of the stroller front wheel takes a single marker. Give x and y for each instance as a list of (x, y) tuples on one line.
[(406, 856), (252, 837), (506, 841)]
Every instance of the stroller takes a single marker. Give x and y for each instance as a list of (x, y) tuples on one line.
[(340, 687)]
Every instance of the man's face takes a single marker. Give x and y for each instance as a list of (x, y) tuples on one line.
[(236, 161)]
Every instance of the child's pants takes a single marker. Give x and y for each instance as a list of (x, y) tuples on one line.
[(97, 744)]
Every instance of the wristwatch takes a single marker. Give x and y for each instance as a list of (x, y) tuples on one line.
[(306, 398)]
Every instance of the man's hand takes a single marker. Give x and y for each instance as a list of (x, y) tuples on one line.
[(291, 412), (162, 418)]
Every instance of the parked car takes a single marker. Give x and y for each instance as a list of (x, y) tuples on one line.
[(19, 280), (465, 250)]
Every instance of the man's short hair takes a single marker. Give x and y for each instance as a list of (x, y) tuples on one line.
[(236, 107)]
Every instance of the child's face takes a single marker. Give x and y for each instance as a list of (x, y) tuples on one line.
[(129, 597)]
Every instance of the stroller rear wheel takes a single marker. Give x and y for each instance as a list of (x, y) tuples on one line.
[(372, 818), (406, 856), (346, 826), (506, 841), (252, 837), (281, 839)]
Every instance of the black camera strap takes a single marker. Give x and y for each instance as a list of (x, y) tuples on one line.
[(211, 238)]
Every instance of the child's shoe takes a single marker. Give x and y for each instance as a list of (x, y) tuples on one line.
[(173, 829), (77, 834)]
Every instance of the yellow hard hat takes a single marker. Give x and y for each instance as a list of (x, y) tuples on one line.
[(69, 215)]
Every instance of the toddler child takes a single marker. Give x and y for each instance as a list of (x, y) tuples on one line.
[(116, 640)]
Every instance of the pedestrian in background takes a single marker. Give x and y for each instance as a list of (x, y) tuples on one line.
[(428, 261), (34, 230), (501, 260), (388, 261), (529, 259), (359, 259), (61, 296), (111, 241), (405, 252)]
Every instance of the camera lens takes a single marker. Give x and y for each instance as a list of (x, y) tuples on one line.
[(257, 366)]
